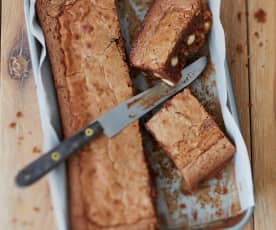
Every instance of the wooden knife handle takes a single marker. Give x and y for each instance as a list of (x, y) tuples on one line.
[(40, 167)]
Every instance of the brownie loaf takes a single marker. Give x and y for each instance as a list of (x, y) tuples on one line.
[(191, 138), (172, 32), (109, 183)]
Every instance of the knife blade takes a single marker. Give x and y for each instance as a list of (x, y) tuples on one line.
[(110, 123)]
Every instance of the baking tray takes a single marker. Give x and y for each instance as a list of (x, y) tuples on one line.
[(49, 115)]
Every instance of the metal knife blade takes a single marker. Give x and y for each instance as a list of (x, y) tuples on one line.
[(110, 123), (129, 111)]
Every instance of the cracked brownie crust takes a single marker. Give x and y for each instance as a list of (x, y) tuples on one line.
[(191, 138), (109, 184), (172, 32)]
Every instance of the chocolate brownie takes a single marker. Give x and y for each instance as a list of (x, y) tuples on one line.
[(191, 138), (108, 181), (172, 32)]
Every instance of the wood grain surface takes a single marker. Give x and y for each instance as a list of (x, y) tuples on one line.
[(20, 132), (234, 21), (262, 51), (251, 51)]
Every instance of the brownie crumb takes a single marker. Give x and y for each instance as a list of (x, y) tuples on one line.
[(257, 35), (131, 116), (218, 176), (195, 215), (239, 48), (221, 190), (30, 132), (239, 14), (21, 138), (183, 206), (12, 125), (19, 114), (219, 212), (235, 208), (213, 83), (36, 149), (186, 193), (260, 15), (36, 209), (261, 44)]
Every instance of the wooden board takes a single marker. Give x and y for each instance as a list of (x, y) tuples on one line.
[(262, 53), (253, 71), (20, 133), (234, 20)]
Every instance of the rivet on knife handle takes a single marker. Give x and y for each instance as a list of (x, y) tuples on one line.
[(56, 156)]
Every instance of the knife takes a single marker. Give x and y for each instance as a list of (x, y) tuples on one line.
[(110, 123)]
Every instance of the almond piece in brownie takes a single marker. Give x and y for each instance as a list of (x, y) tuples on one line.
[(172, 31), (191, 138)]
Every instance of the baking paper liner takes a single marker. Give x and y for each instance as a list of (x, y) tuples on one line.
[(227, 195)]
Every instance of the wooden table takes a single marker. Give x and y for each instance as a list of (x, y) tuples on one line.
[(251, 45)]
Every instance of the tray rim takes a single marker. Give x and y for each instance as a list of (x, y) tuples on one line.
[(232, 105)]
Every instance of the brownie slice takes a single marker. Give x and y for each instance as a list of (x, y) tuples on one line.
[(108, 180), (191, 138), (172, 32)]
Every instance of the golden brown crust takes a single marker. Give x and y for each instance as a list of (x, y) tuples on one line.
[(191, 138), (109, 185), (158, 48)]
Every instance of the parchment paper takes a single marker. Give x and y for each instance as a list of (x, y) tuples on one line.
[(222, 197)]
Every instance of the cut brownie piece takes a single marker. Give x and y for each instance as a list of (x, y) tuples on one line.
[(172, 32), (108, 180), (191, 138)]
